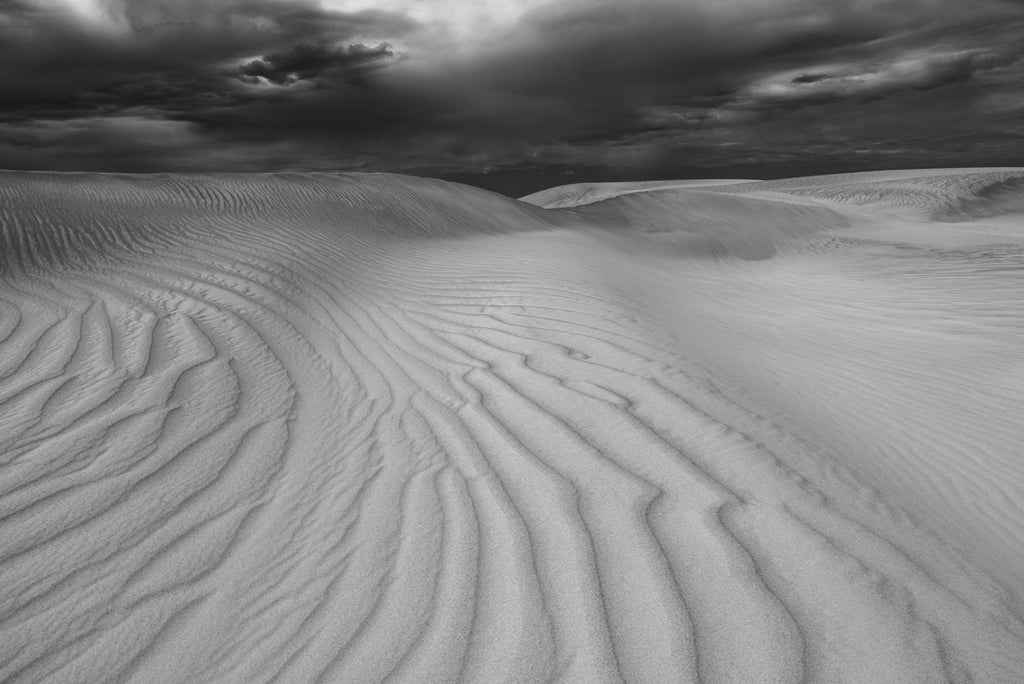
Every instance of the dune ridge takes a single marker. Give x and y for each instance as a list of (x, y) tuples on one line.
[(946, 195), (579, 194), (317, 427)]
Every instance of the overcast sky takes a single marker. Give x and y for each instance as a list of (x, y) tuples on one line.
[(512, 94)]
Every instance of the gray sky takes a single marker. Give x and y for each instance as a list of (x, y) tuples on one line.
[(512, 94)]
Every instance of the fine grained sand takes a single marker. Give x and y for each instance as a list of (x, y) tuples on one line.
[(354, 428)]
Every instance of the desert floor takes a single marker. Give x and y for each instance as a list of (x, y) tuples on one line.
[(356, 428)]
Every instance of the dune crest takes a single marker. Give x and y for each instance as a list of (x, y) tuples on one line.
[(315, 427)]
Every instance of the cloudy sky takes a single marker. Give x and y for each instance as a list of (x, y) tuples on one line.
[(512, 94)]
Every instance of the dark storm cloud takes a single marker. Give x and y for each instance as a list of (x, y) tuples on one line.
[(678, 54), (313, 61), (637, 84), (857, 82), (56, 50), (163, 54), (809, 78)]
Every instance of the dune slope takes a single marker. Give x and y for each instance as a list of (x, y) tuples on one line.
[(365, 428)]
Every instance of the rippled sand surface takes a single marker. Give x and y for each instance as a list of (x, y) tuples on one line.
[(357, 428)]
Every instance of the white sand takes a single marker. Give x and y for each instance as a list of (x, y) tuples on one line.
[(360, 428)]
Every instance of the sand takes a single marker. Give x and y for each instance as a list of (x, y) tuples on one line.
[(360, 428)]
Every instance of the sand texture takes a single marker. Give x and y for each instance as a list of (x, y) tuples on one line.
[(365, 428)]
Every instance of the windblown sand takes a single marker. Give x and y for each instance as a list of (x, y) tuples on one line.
[(356, 428)]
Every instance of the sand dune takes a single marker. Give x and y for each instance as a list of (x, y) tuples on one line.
[(357, 428), (947, 195), (578, 194)]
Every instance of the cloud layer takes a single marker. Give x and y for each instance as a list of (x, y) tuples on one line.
[(644, 87)]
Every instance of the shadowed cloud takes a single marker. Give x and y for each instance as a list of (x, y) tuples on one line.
[(312, 61)]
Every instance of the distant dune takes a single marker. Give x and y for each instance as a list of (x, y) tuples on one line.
[(578, 194), (361, 428)]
